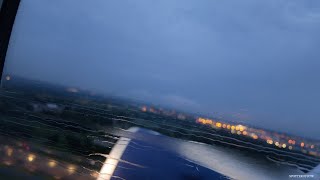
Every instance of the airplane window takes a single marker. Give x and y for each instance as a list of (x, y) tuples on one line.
[(171, 89)]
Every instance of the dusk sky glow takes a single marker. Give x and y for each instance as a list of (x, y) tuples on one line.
[(257, 60)]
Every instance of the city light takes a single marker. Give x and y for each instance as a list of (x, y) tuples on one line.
[(71, 169), (283, 140), (144, 109), (284, 145), (9, 151), (254, 136), (52, 163), (241, 128), (31, 157), (269, 141)]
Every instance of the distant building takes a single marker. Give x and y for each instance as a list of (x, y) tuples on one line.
[(72, 90), (48, 107), (181, 117)]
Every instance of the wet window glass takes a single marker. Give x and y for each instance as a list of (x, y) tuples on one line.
[(106, 89)]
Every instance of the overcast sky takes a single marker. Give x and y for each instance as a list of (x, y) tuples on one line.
[(257, 61)]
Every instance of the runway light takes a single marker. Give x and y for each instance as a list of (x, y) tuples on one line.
[(31, 157), (276, 143)]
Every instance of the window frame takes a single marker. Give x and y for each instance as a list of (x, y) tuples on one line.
[(8, 12)]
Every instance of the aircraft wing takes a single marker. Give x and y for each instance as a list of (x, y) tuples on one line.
[(146, 154)]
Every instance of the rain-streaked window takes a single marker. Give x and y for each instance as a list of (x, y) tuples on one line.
[(106, 89)]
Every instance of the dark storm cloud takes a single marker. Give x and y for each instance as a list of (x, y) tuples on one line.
[(256, 60)]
